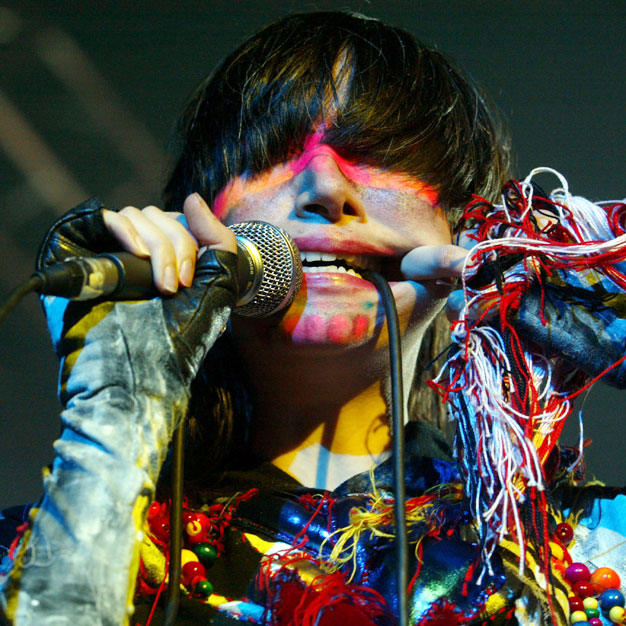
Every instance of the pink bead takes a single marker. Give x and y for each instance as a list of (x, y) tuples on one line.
[(595, 621), (577, 572)]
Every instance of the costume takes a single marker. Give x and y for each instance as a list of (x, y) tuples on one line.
[(286, 552), (127, 361)]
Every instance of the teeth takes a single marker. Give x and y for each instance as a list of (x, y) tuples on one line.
[(329, 269), (357, 261)]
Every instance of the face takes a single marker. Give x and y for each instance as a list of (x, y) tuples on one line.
[(344, 217)]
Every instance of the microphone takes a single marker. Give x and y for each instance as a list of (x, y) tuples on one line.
[(268, 260)]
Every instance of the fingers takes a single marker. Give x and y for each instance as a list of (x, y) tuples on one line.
[(151, 232), (171, 247), (207, 229), (431, 262), (122, 228)]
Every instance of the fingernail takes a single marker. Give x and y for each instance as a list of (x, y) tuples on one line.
[(169, 278), (141, 246), (186, 273), (197, 198)]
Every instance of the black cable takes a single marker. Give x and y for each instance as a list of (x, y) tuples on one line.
[(397, 412), (176, 525), (32, 284)]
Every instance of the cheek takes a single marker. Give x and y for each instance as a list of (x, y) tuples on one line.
[(268, 206), (242, 191)]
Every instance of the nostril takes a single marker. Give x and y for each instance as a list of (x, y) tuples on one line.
[(318, 209), (348, 209)]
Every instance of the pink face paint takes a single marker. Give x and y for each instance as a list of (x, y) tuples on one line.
[(339, 329), (313, 147), (237, 189), (361, 324)]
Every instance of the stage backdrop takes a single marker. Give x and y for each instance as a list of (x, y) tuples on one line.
[(88, 95)]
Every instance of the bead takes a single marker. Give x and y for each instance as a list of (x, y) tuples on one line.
[(190, 570), (590, 603), (193, 528), (206, 552), (577, 572), (160, 528), (203, 588), (583, 588), (592, 613), (578, 616), (610, 598), (575, 604), (564, 532), (154, 510), (605, 578), (189, 516), (616, 614), (596, 621), (187, 556), (557, 551)]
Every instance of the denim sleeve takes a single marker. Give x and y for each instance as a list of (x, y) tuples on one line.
[(124, 395), (581, 318)]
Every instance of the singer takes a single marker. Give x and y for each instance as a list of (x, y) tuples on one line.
[(364, 145)]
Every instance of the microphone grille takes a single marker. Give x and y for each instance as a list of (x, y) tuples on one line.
[(281, 268)]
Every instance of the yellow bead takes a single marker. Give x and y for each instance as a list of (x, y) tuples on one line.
[(557, 551), (590, 603), (578, 616), (616, 614), (194, 528), (186, 556)]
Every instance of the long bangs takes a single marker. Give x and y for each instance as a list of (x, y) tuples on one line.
[(385, 100)]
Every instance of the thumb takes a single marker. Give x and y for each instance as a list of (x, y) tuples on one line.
[(205, 227)]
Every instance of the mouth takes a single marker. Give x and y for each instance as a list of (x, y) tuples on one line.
[(353, 264)]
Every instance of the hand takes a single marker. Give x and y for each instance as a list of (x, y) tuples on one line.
[(172, 248), (445, 265)]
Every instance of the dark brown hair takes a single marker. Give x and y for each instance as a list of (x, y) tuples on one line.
[(405, 107)]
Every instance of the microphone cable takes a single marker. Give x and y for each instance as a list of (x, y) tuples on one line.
[(397, 411), (397, 414)]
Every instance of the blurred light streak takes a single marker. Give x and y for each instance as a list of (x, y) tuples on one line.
[(39, 165), (81, 78)]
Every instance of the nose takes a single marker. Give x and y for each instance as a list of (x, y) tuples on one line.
[(325, 194)]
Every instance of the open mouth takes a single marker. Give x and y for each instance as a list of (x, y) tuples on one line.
[(354, 264)]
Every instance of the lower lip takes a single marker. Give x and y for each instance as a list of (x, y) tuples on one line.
[(329, 280)]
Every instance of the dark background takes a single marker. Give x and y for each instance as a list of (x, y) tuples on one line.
[(88, 95)]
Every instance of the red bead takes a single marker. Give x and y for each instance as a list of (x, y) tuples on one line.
[(154, 511), (575, 604), (583, 588), (160, 528), (564, 532), (605, 578), (596, 621), (189, 516), (576, 572), (191, 570)]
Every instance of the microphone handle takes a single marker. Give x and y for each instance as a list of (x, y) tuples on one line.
[(269, 270)]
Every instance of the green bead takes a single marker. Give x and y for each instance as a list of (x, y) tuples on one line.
[(592, 613), (206, 553), (204, 588)]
